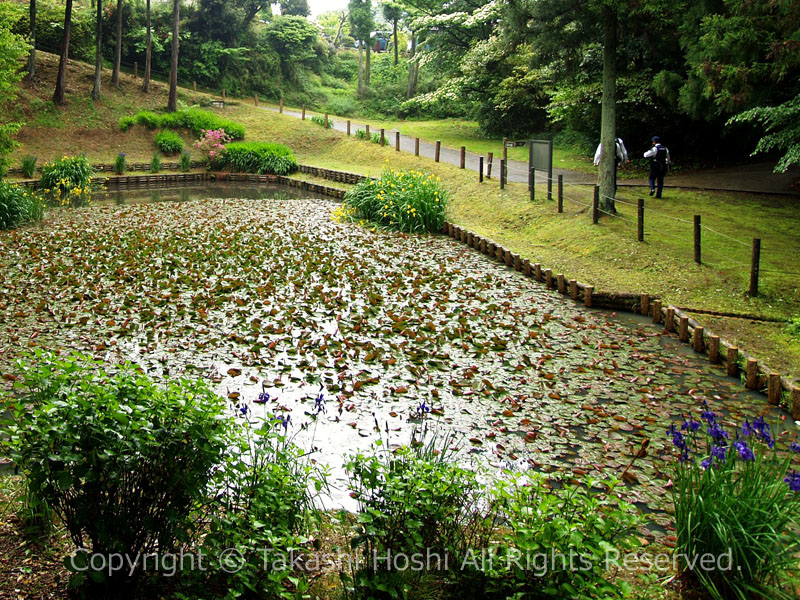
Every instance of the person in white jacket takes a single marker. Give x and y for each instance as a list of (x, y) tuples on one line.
[(621, 156), (659, 162)]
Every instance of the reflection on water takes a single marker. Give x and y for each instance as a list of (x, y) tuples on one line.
[(196, 191)]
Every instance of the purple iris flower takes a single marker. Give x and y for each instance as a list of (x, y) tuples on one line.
[(794, 481), (706, 463), (719, 452), (795, 447), (263, 398), (747, 429), (691, 425), (745, 452), (717, 433)]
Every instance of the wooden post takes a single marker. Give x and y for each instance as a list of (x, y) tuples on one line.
[(656, 311), (526, 267), (562, 285), (470, 239), (505, 150), (135, 70), (796, 403), (327, 124), (596, 205), (697, 257), (223, 94), (548, 277), (255, 99), (754, 266), (751, 374), (416, 146), (537, 271), (644, 304), (774, 389), (669, 321), (383, 137), (302, 114), (194, 86), (683, 330), (517, 262), (463, 162), (480, 169), (348, 126), (438, 150), (573, 289), (280, 108), (561, 193), (502, 173), (732, 360), (698, 343), (640, 221), (532, 183), (587, 295), (713, 349), (489, 166), (366, 128), (397, 141)]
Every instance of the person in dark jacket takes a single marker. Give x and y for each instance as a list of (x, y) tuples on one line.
[(659, 163)]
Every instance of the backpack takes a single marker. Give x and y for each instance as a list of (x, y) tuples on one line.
[(661, 159)]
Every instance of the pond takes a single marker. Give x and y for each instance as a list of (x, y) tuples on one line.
[(357, 334)]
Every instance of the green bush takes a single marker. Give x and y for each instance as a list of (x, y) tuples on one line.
[(29, 165), (185, 161), (361, 134), (120, 163), (320, 120), (409, 201), (257, 157), (18, 205), (342, 106), (169, 142), (410, 502), (121, 460), (793, 328), (68, 181), (197, 120), (155, 163), (125, 123), (735, 506), (147, 119)]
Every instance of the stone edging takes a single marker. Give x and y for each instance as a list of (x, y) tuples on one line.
[(758, 376)]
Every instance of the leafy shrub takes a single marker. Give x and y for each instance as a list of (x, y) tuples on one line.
[(185, 161), (147, 119), (320, 120), (342, 106), (410, 502), (105, 450), (125, 123), (213, 144), (258, 157), (197, 120), (169, 142), (68, 181), (120, 163), (155, 163), (265, 491), (18, 205), (361, 134), (735, 506), (409, 201), (7, 144), (29, 165), (793, 328)]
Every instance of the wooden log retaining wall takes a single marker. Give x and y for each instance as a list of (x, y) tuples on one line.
[(341, 176), (759, 376)]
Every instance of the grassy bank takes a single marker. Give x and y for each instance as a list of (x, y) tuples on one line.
[(606, 255)]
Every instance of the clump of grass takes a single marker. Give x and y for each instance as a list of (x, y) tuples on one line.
[(125, 123), (185, 161), (68, 181), (410, 201), (793, 328), (155, 163), (29, 165), (120, 163), (169, 142), (147, 119), (320, 120), (18, 205), (373, 137), (257, 157)]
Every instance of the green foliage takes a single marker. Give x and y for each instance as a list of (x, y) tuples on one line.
[(169, 142), (185, 161), (68, 180), (320, 120), (342, 106), (793, 328), (7, 144), (29, 165), (104, 449), (120, 163), (18, 206), (265, 492), (125, 123), (155, 163), (197, 120), (294, 40), (361, 134), (781, 125), (147, 119), (735, 506), (410, 502), (409, 201), (13, 48), (257, 157)]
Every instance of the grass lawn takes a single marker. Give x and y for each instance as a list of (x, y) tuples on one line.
[(606, 255)]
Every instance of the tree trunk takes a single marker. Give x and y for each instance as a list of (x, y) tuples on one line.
[(395, 43), (608, 115), (361, 70), (32, 54), (98, 60), (367, 67), (118, 48), (413, 66), (339, 30), (148, 52), (61, 79), (172, 105)]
